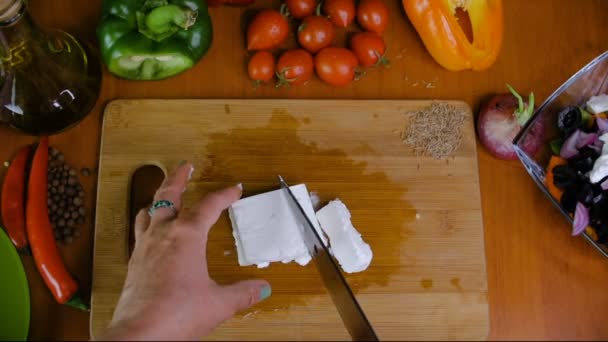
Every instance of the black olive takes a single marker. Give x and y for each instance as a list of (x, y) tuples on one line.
[(598, 212), (598, 193), (598, 219), (602, 232), (564, 177), (584, 194), (595, 218), (569, 120), (583, 162), (568, 200)]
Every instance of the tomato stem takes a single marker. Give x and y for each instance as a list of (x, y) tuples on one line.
[(284, 11), (359, 73), (382, 60), (318, 9), (283, 80), (257, 84)]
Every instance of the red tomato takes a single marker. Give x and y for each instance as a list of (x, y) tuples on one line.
[(369, 47), (340, 12), (261, 67), (315, 32), (294, 67), (336, 66), (372, 15), (301, 8), (267, 30)]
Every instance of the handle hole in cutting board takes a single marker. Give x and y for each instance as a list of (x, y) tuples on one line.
[(144, 183)]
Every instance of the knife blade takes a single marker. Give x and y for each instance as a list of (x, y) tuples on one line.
[(350, 311)]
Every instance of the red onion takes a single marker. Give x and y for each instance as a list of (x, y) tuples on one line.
[(569, 148), (581, 219), (586, 139), (579, 139), (602, 125), (500, 120), (599, 143)]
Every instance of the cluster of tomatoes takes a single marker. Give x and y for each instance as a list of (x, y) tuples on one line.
[(336, 66)]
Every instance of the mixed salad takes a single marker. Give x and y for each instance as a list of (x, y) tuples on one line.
[(577, 175)]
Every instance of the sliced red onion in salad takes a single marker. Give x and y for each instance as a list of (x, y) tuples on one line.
[(598, 143), (581, 219), (602, 125), (579, 139), (586, 139), (569, 149)]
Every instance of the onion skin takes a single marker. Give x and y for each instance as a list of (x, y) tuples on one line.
[(497, 126)]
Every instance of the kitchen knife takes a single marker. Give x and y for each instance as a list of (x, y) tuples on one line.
[(349, 309)]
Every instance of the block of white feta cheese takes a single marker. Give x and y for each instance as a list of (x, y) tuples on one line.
[(598, 104), (266, 229), (347, 245)]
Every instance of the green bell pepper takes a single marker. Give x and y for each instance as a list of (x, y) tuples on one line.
[(153, 39)]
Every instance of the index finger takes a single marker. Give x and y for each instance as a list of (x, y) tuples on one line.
[(206, 212)]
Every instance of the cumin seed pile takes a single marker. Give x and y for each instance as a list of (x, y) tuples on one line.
[(435, 131)]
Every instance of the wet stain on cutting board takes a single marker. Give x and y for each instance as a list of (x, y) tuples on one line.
[(260, 154), (456, 283)]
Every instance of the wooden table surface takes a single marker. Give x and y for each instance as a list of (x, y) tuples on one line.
[(543, 284)]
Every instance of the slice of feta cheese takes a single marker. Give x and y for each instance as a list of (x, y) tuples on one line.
[(266, 230), (598, 104), (604, 138), (347, 246), (600, 166), (600, 169)]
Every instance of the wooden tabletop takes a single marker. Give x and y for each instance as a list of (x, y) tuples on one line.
[(543, 284)]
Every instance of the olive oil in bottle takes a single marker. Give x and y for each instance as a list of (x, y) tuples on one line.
[(49, 80)]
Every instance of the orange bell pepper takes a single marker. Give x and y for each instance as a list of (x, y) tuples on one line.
[(553, 190), (446, 41)]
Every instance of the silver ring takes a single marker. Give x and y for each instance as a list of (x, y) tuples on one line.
[(161, 204)]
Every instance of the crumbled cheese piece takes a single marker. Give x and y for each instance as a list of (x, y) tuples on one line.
[(347, 246), (598, 104), (266, 229), (600, 166), (604, 139), (316, 201)]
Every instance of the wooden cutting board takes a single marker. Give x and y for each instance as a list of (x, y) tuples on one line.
[(422, 217)]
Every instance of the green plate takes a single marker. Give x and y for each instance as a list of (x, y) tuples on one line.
[(14, 293)]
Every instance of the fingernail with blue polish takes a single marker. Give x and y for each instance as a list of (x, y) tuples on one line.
[(266, 292)]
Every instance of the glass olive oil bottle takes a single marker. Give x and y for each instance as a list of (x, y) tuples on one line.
[(49, 80)]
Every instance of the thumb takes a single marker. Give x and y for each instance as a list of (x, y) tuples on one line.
[(244, 294)]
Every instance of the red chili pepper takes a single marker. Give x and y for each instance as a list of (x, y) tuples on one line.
[(13, 200), (40, 233)]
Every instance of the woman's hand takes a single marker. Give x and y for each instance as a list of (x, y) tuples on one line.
[(168, 294)]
